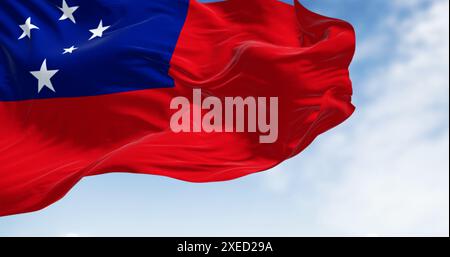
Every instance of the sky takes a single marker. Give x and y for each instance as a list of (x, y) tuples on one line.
[(384, 172)]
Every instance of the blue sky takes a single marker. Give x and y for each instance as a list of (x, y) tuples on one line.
[(383, 172)]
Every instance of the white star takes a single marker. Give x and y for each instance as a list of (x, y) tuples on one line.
[(44, 75), (67, 11), (98, 32), (27, 27), (70, 50)]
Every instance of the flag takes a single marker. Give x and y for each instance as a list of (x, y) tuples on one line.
[(100, 86)]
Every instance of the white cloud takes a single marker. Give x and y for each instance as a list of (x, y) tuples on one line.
[(277, 180)]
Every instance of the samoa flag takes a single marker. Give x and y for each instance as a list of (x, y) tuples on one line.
[(86, 88)]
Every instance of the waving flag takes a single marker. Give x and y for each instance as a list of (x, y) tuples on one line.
[(87, 86)]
